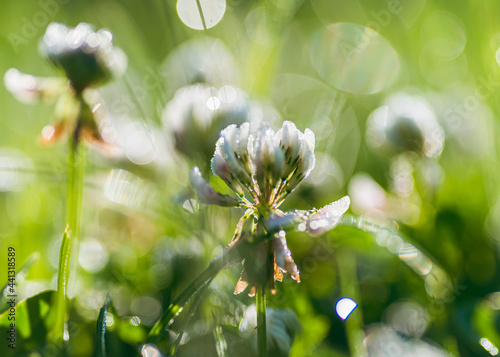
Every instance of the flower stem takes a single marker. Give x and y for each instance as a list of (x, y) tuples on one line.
[(349, 287), (261, 321), (70, 237)]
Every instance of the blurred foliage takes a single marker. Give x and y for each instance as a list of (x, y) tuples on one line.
[(326, 65)]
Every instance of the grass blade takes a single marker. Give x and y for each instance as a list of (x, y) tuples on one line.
[(100, 340), (70, 236), (59, 312)]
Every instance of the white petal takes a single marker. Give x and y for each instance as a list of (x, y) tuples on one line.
[(309, 139), (244, 132), (228, 146), (327, 217), (220, 168), (287, 138), (28, 89)]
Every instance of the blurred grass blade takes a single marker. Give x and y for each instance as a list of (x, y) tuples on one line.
[(192, 310), (21, 274), (159, 329), (438, 282), (100, 340), (349, 287), (220, 341), (200, 10)]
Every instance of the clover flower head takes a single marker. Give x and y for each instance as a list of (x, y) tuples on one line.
[(266, 165), (87, 57)]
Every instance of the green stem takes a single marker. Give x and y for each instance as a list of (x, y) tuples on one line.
[(349, 288), (261, 321), (70, 237)]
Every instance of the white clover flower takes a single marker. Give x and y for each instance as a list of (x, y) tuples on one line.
[(87, 58), (266, 165)]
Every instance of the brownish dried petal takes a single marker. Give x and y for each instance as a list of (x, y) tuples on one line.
[(52, 133), (291, 267), (283, 257), (253, 290), (242, 283), (278, 275)]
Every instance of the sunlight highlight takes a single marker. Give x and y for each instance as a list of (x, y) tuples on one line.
[(201, 14)]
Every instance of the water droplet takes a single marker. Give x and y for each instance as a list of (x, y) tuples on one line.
[(488, 346), (150, 350), (109, 320), (344, 307)]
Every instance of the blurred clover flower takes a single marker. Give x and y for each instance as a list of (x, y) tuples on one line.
[(197, 113), (267, 165), (87, 59), (405, 122)]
